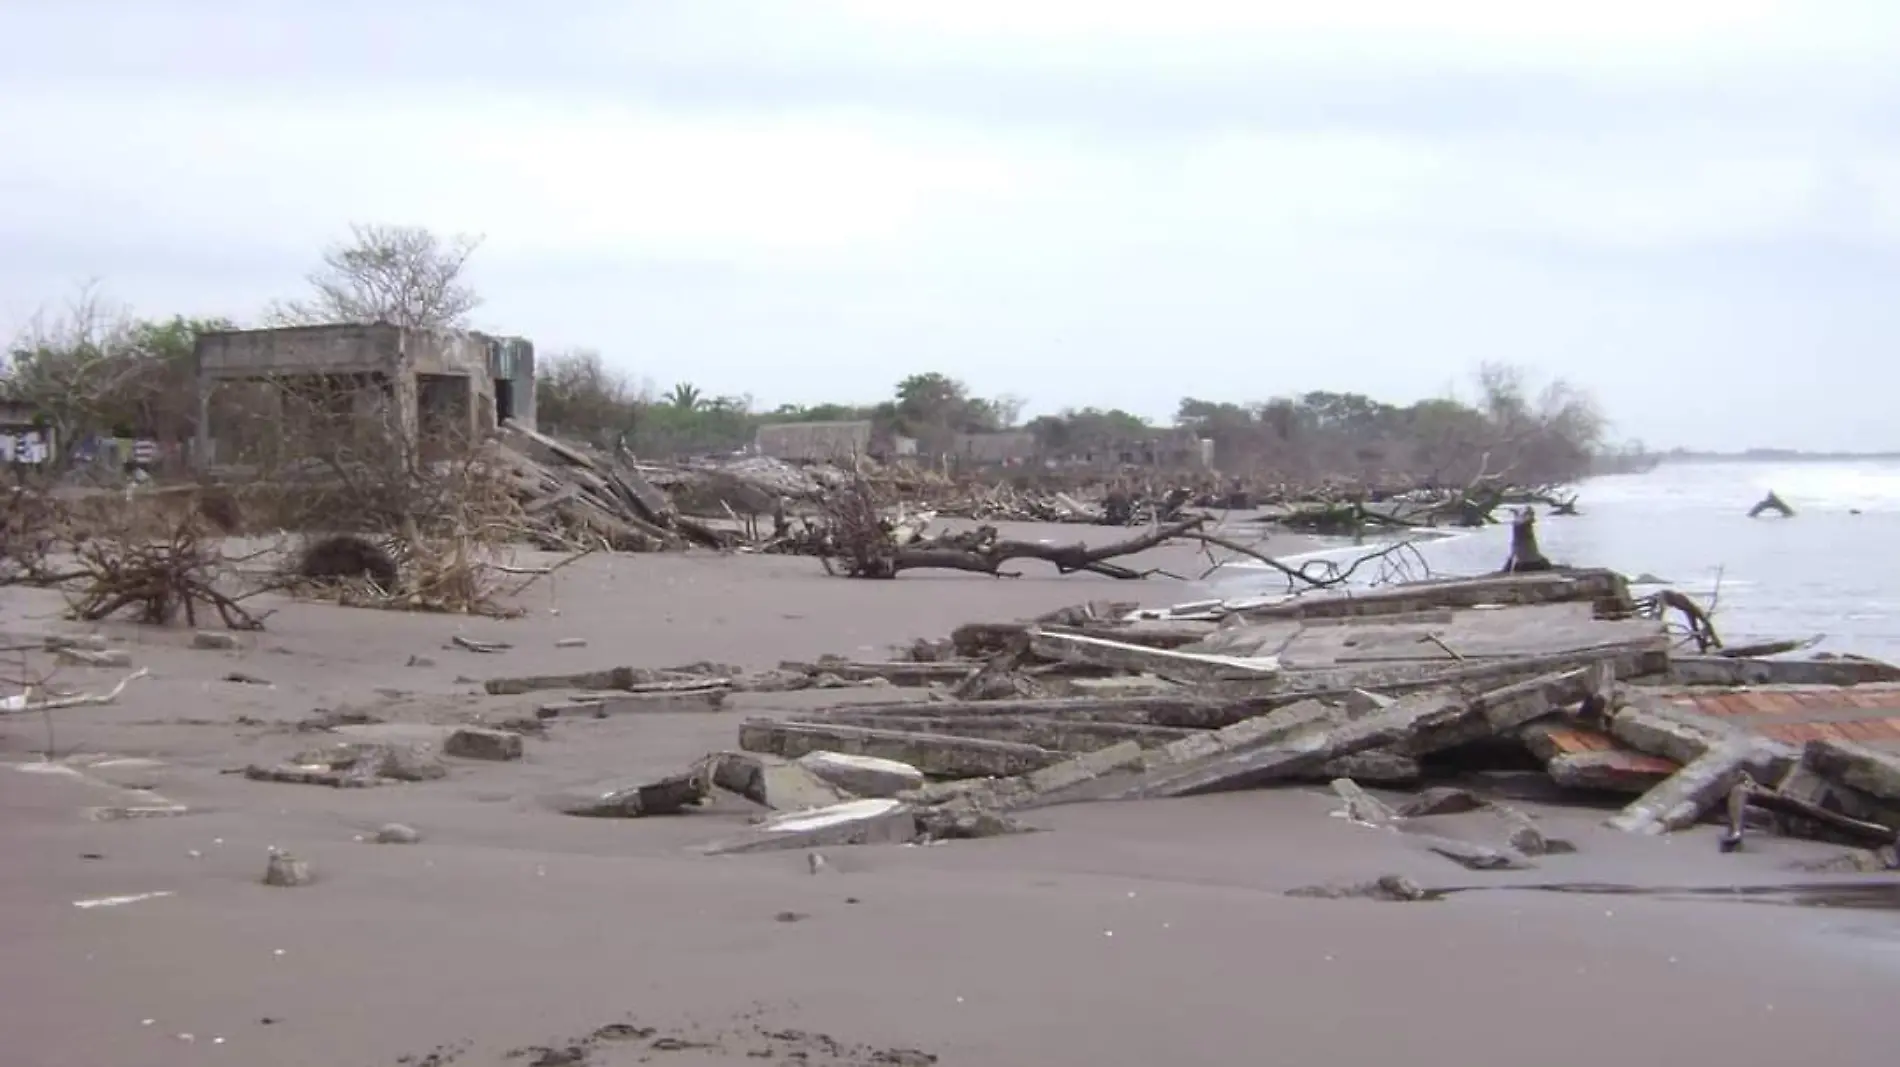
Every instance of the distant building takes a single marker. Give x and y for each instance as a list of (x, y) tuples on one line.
[(452, 379), (22, 437), (1009, 448), (830, 442), (1164, 449)]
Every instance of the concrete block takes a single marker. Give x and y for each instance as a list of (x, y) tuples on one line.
[(471, 742), (863, 776), (878, 820), (773, 781)]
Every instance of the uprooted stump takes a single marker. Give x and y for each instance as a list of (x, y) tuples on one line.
[(1526, 556), (1771, 502), (346, 557), (455, 575), (161, 578)]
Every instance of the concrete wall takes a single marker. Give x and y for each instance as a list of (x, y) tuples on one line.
[(400, 355), (815, 440), (300, 350), (445, 352), (983, 448)]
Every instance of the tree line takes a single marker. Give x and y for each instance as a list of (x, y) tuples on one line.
[(90, 368)]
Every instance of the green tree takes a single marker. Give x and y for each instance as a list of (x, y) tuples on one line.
[(685, 396), (92, 368), (1084, 429)]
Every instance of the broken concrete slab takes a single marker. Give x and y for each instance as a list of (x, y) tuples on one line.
[(1856, 766), (977, 640), (965, 821), (1058, 735), (937, 755), (1503, 711), (1375, 767), (674, 795), (1174, 665), (625, 679), (1259, 730), (1119, 685), (903, 673), (1637, 658), (1610, 771), (284, 870), (1177, 709), (1361, 806), (473, 742), (856, 822), (1683, 798), (1300, 753), (354, 764), (1084, 768), (1417, 724), (1055, 783), (1675, 733), (1724, 670), (1544, 588), (862, 776), (1365, 702), (773, 781), (667, 701), (1474, 855), (1804, 784)]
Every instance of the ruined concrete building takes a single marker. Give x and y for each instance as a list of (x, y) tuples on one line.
[(830, 442), (428, 386)]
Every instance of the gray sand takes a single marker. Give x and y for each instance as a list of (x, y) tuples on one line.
[(1131, 934)]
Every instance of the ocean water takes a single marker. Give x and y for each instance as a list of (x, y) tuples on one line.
[(1833, 569)]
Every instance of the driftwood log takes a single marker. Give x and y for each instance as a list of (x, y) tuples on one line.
[(982, 551), (1771, 502), (1526, 557)]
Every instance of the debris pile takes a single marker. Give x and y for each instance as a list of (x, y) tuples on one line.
[(1399, 687), (1461, 683), (572, 498)]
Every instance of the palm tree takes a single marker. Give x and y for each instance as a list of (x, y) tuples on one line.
[(686, 397)]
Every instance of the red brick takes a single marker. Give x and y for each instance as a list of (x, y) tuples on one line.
[(1858, 731), (1712, 705)]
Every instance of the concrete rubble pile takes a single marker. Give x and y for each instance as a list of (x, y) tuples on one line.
[(574, 498), (1403, 687)]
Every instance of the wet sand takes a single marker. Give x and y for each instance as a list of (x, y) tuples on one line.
[(1119, 934)]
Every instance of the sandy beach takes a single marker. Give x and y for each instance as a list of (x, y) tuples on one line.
[(510, 933)]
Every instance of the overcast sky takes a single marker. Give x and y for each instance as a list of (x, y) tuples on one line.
[(1689, 207)]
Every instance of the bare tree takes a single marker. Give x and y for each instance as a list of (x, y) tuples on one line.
[(402, 275), (577, 393), (72, 365)]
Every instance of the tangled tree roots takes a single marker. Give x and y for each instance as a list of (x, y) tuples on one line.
[(456, 575), (161, 578), (348, 557)]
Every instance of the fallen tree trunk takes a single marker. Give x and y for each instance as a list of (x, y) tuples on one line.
[(985, 553)]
